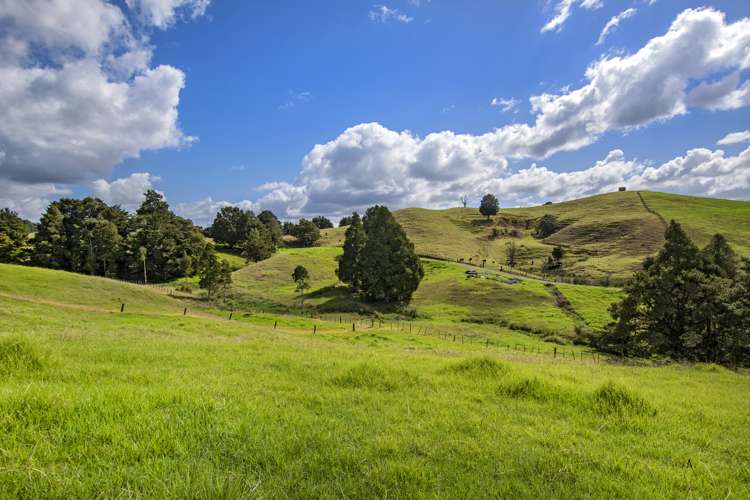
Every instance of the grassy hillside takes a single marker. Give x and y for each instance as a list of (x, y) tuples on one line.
[(704, 217), (604, 235), (444, 296), (101, 404)]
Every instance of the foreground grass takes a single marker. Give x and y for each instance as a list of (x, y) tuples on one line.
[(96, 403)]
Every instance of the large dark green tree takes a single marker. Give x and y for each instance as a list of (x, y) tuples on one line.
[(349, 270), (259, 244), (14, 236), (322, 222), (271, 222), (306, 233), (489, 205), (686, 304), (386, 268), (231, 225), (173, 245)]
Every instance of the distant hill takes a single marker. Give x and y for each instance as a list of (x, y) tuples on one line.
[(607, 234)]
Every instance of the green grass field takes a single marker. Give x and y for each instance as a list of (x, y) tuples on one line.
[(150, 403)]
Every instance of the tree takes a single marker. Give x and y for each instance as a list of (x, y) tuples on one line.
[(388, 268), (104, 244), (345, 221), (349, 270), (489, 205), (142, 255), (322, 222), (302, 279), (511, 251), (686, 304), (306, 233), (49, 239), (258, 245), (13, 237), (557, 254), (231, 225), (215, 275), (464, 200), (547, 226), (287, 228), (271, 222)]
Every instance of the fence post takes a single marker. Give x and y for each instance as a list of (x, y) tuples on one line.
[(487, 343), (354, 328), (554, 355), (315, 329), (184, 311), (274, 325), (122, 308)]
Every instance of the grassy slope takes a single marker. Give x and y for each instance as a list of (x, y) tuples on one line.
[(609, 233), (445, 295), (704, 217), (102, 404)]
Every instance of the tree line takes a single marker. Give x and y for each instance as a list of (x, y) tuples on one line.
[(686, 303)]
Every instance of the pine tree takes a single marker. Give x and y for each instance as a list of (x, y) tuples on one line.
[(349, 270), (390, 268)]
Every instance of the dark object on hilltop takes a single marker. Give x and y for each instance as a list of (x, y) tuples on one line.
[(687, 304), (622, 188), (345, 221), (379, 261), (489, 205), (547, 203)]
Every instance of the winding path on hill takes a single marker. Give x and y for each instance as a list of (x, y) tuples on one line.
[(651, 210)]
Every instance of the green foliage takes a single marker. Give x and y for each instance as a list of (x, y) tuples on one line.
[(379, 261), (301, 278), (173, 246), (350, 264), (231, 225), (511, 252), (259, 244), (686, 304), (215, 275), (322, 222), (306, 233), (271, 222), (479, 367), (547, 226), (13, 237), (489, 205), (345, 221)]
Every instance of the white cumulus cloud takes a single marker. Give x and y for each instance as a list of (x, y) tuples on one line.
[(505, 105), (563, 10), (163, 13), (126, 192)]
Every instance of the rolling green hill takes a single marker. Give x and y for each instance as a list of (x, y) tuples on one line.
[(150, 403), (603, 235)]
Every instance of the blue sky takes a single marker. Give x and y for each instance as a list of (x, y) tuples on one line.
[(235, 94)]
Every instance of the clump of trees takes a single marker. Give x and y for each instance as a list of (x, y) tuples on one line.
[(257, 238), (555, 260), (215, 275), (14, 238), (88, 236), (489, 205), (379, 261), (322, 222), (345, 221), (547, 226), (306, 233), (686, 304)]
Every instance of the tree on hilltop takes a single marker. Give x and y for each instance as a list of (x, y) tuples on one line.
[(489, 205)]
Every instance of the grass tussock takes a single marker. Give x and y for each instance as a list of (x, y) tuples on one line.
[(614, 399), (18, 355), (366, 376), (530, 388), (479, 367)]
